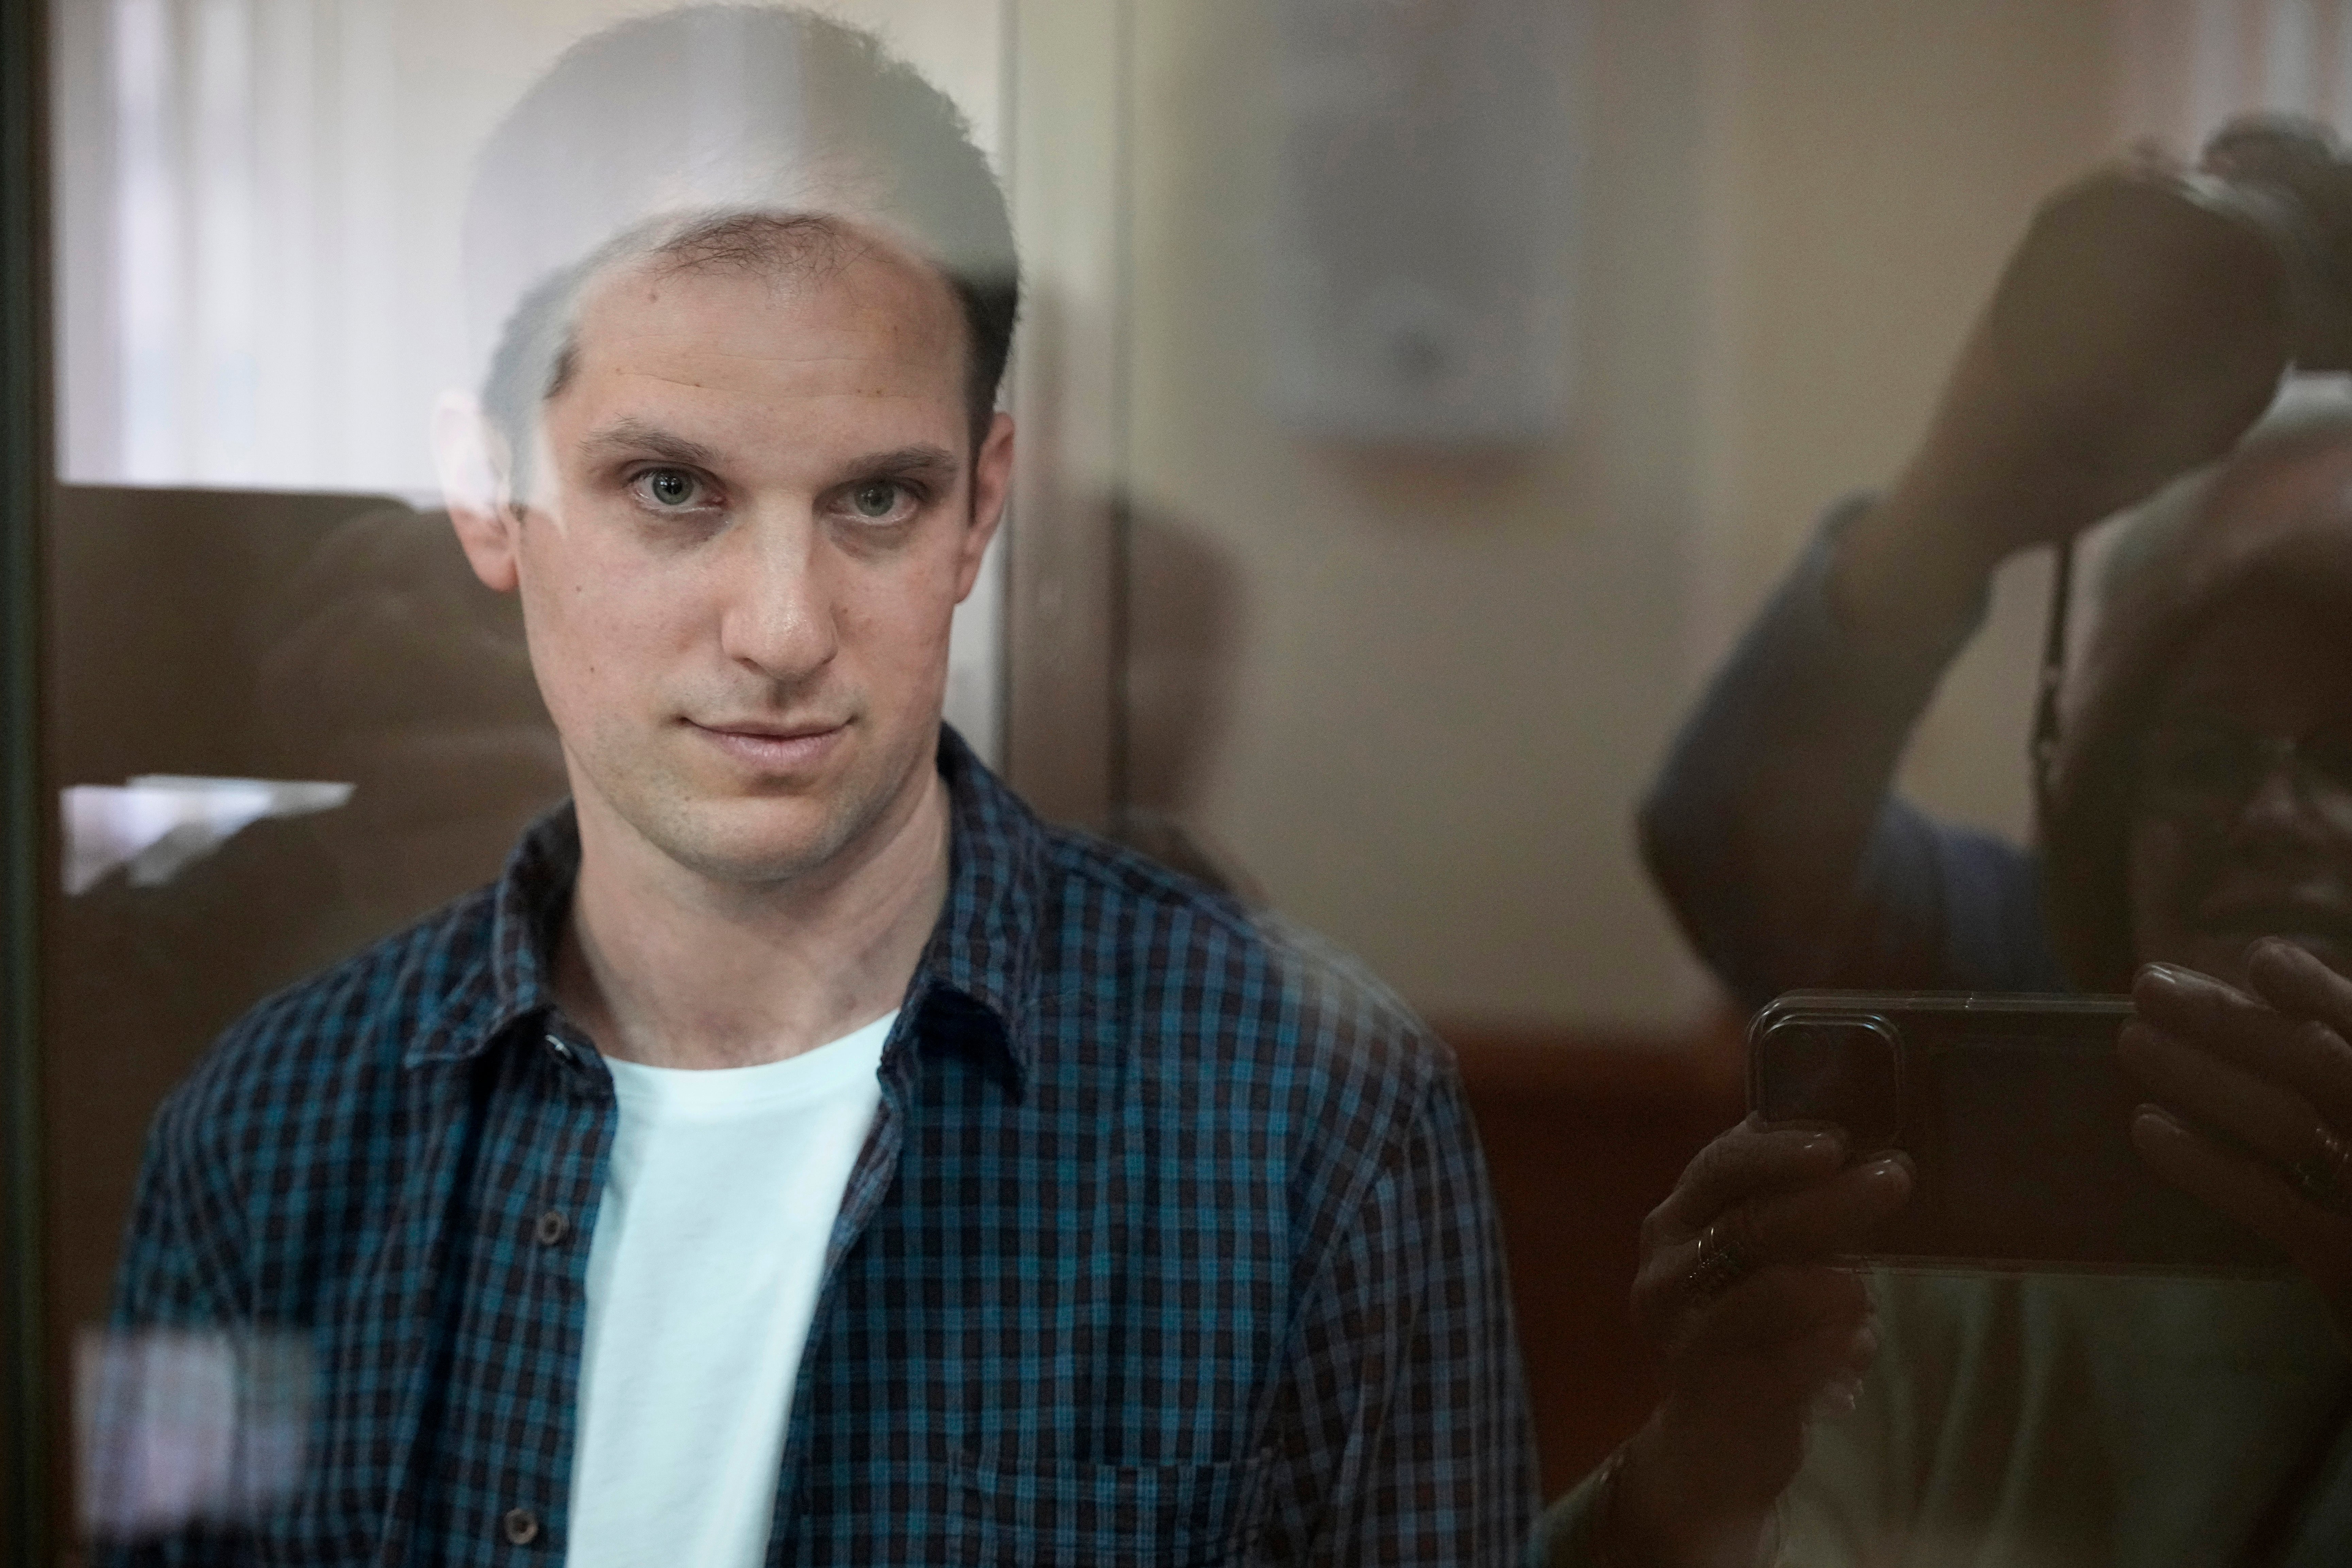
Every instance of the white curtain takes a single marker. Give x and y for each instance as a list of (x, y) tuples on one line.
[(2188, 65), (233, 306)]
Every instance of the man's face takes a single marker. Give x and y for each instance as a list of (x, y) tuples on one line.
[(756, 514), (2245, 822)]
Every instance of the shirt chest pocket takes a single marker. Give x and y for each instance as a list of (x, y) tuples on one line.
[(1108, 1516)]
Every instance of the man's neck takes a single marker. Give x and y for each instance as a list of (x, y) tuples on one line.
[(663, 966)]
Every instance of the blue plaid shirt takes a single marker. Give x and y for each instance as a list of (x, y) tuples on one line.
[(1170, 1243)]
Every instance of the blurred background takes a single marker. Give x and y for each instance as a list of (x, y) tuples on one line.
[(1416, 398)]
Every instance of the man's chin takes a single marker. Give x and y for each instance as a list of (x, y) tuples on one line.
[(720, 825), (750, 841)]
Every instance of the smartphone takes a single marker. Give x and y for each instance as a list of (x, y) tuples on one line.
[(2016, 1114)]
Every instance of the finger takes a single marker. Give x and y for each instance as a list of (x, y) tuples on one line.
[(1810, 1225), (2256, 1196), (1674, 1294), (1749, 1160), (2202, 1011), (2296, 982), (2290, 172), (1832, 1219), (2293, 980), (2268, 1116), (2271, 147), (1810, 1313), (1787, 1368), (2186, 1001)]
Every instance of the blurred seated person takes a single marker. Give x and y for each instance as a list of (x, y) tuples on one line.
[(2197, 819), (1180, 636)]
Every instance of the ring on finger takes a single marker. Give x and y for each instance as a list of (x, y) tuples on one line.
[(2321, 1176), (1722, 1262)]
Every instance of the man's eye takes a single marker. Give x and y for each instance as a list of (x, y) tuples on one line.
[(880, 500), (669, 490)]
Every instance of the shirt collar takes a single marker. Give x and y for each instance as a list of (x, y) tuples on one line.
[(984, 949)]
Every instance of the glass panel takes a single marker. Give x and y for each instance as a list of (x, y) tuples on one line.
[(1433, 419)]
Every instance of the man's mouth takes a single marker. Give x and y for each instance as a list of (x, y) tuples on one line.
[(771, 745)]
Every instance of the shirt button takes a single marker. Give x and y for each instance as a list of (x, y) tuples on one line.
[(521, 1526), (552, 1228)]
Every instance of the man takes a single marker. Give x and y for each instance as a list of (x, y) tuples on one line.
[(2197, 815), (801, 1155)]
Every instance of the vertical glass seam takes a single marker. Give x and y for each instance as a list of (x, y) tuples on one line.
[(27, 476)]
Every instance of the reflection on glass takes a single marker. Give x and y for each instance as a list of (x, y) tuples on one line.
[(1411, 603), (181, 1429), (158, 824), (2032, 1405)]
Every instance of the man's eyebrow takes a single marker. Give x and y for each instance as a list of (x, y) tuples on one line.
[(907, 462), (635, 438)]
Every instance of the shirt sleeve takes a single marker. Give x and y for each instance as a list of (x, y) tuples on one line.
[(1773, 833), (1408, 1439), (171, 1380), (178, 1267)]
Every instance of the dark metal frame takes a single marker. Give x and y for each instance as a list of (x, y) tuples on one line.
[(27, 478)]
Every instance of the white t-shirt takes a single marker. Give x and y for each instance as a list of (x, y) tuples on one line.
[(702, 1277)]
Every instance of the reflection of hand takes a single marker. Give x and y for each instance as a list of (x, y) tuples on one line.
[(2290, 176), (2273, 1073), (2137, 330), (1754, 1326)]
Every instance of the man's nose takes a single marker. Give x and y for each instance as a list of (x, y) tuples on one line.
[(777, 615), (2280, 804)]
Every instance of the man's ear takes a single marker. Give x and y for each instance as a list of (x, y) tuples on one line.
[(475, 465), (992, 484)]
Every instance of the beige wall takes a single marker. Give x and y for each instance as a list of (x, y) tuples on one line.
[(1450, 681), (1889, 155)]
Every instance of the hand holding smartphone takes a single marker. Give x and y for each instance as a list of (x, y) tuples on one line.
[(2016, 1114)]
